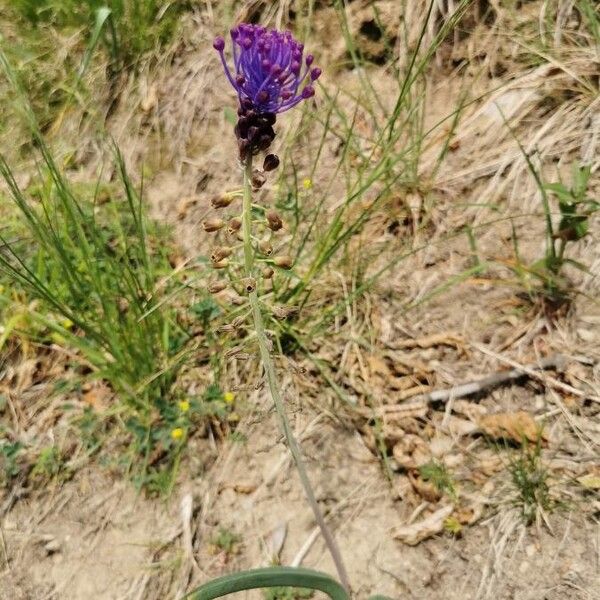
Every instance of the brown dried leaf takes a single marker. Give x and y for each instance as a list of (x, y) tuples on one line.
[(425, 489), (514, 426), (97, 397), (411, 452), (417, 532)]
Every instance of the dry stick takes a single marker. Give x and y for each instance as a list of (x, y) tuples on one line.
[(532, 372), (273, 384), (470, 388)]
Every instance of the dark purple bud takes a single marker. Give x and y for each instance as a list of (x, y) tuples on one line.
[(269, 118), (219, 44), (295, 68), (240, 79), (308, 92), (264, 142), (246, 43), (263, 96), (252, 131), (315, 73), (258, 179), (276, 69), (286, 94), (235, 33), (243, 146), (266, 64), (271, 162), (309, 59)]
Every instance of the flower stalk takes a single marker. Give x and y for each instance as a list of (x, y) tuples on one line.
[(271, 376)]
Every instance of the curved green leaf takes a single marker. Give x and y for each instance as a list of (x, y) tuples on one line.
[(270, 577)]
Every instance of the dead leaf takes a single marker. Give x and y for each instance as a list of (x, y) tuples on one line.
[(425, 489), (276, 540), (411, 452), (417, 532), (150, 100), (97, 397), (590, 481), (514, 426)]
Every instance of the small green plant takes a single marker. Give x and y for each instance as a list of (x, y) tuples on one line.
[(226, 541), (440, 477), (9, 461), (529, 478), (50, 464), (575, 208), (99, 272), (288, 593)]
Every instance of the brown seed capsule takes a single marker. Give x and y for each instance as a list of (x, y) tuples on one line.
[(211, 225), (274, 222), (219, 253), (249, 284), (258, 179), (283, 262), (221, 201), (271, 162), (238, 322), (123, 305), (221, 264), (265, 247), (267, 272), (216, 286), (233, 352), (283, 312), (234, 225)]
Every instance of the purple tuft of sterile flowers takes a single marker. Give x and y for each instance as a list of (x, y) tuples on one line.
[(270, 72)]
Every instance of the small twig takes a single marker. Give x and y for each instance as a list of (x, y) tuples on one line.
[(533, 370), (471, 388)]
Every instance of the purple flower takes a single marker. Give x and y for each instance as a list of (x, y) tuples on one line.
[(269, 73)]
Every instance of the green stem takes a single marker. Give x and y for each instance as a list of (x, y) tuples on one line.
[(272, 380)]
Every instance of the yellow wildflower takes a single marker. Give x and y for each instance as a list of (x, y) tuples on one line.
[(177, 433), (184, 405), (67, 323), (307, 183), (229, 397)]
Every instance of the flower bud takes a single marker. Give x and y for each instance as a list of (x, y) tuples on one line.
[(219, 253), (271, 162), (265, 247), (249, 284), (274, 222), (221, 201), (283, 262), (234, 225), (267, 272), (211, 225), (216, 286), (258, 179), (221, 264)]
